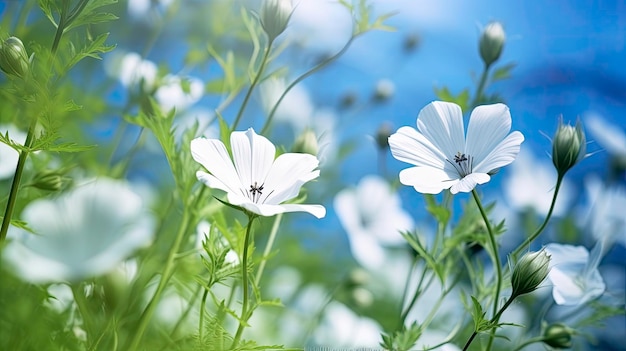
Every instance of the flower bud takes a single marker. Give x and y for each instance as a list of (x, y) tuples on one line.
[(306, 143), (384, 90), (569, 146), (382, 135), (13, 58), (491, 42), (529, 272), (48, 180), (558, 336), (275, 16)]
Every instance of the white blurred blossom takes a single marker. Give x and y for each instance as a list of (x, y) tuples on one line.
[(606, 214), (530, 185), (178, 92), (574, 273), (373, 217), (610, 136), (341, 327), (8, 155), (85, 232), (133, 71), (148, 11)]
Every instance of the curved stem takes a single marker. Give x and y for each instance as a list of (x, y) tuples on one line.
[(165, 277), (254, 83), (268, 248), (201, 318), (528, 342), (17, 177), (244, 278), (496, 262), (301, 78), (493, 320), (530, 239), (481, 86)]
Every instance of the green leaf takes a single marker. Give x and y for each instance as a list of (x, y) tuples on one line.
[(462, 99), (503, 72), (415, 243), (46, 7), (92, 49)]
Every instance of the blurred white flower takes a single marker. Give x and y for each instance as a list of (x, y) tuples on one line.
[(341, 327), (444, 158), (610, 136), (83, 233), (537, 179), (574, 273), (606, 215), (133, 71), (192, 117), (147, 11), (384, 89), (296, 108), (320, 26), (178, 92), (8, 155), (373, 217), (257, 181)]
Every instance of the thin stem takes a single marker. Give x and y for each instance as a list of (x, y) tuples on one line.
[(244, 279), (81, 302), (254, 83), (165, 277), (530, 239), (481, 85), (17, 177), (528, 342), (493, 320), (201, 318), (268, 248), (496, 261), (301, 78)]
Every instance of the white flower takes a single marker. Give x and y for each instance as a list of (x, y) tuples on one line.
[(341, 327), (83, 233), (574, 273), (8, 155), (538, 179), (606, 218), (373, 217), (256, 181), (178, 92), (132, 70), (610, 136), (444, 157)]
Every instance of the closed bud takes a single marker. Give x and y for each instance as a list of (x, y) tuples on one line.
[(558, 336), (382, 136), (569, 146), (529, 272), (306, 143), (275, 16), (48, 180), (13, 58), (491, 42), (384, 90)]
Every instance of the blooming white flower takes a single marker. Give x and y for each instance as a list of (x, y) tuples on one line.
[(373, 217), (178, 92), (444, 157), (132, 70), (610, 136), (574, 273), (256, 181), (80, 234)]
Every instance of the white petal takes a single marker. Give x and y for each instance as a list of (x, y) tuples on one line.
[(287, 175), (410, 146), (253, 155), (427, 180), (270, 210), (488, 125), (469, 182), (503, 154), (442, 124), (212, 182), (212, 154)]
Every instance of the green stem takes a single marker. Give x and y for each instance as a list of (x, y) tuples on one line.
[(254, 83), (496, 261), (201, 321), (165, 277), (528, 342), (493, 320), (481, 86), (17, 177), (81, 302), (301, 78), (244, 279), (529, 240), (268, 248)]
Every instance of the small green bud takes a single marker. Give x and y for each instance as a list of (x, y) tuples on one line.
[(382, 135), (48, 180), (306, 143), (529, 272), (558, 336), (569, 146), (275, 16), (491, 42), (13, 57)]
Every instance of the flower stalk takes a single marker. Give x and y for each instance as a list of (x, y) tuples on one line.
[(243, 319)]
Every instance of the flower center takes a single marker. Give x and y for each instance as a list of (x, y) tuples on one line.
[(462, 163), (255, 192)]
